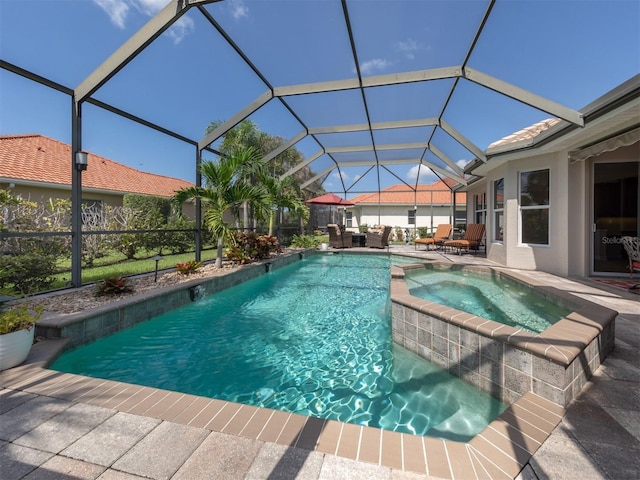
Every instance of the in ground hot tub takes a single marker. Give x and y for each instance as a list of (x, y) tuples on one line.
[(504, 360)]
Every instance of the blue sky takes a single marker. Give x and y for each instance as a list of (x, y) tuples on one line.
[(570, 52)]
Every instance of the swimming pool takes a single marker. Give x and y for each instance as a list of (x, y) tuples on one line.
[(487, 296), (312, 338)]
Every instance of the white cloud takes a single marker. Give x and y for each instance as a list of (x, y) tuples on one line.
[(409, 47), (340, 175), (150, 7), (183, 27), (116, 9), (426, 175), (372, 65), (238, 9), (119, 10), (462, 163)]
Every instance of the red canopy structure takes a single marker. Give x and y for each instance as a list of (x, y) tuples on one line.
[(330, 199)]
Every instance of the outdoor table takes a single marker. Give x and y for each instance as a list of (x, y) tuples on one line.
[(358, 239)]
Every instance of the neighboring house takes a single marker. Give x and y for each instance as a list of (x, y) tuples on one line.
[(401, 207), (556, 197), (38, 168)]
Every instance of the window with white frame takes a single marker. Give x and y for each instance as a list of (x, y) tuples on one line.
[(349, 219), (480, 207), (411, 217), (498, 210), (534, 207)]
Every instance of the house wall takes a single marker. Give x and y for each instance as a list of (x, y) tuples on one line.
[(36, 193), (553, 258), (397, 216)]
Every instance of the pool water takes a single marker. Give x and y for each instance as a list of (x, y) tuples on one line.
[(498, 300), (312, 338)]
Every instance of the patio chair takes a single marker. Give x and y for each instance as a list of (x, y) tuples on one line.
[(443, 232), (632, 247), (338, 238), (472, 239), (379, 236)]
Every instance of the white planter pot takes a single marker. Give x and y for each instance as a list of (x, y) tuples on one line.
[(15, 347)]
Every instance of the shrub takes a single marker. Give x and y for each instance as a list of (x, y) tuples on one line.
[(304, 241), (179, 242), (251, 246), (423, 232), (236, 254), (126, 244), (364, 228), (189, 267), (113, 286), (27, 273), (18, 318)]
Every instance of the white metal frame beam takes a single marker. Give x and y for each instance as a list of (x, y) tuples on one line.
[(235, 120), (134, 45), (302, 164), (325, 172), (524, 96)]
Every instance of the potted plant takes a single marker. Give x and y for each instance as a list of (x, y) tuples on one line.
[(17, 327)]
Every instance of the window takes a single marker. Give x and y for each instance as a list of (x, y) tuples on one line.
[(534, 207), (349, 219), (480, 207), (498, 210), (411, 217)]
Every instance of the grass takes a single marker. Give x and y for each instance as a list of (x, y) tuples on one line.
[(131, 267)]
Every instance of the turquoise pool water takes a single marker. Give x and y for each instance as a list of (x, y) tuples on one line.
[(498, 300), (312, 338)]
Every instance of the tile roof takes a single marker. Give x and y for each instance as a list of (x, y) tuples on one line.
[(527, 133), (36, 158), (437, 193)]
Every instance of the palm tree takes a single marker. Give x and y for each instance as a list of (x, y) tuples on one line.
[(283, 194), (225, 190)]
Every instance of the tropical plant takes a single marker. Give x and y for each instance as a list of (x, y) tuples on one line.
[(188, 267), (113, 286), (250, 246), (225, 190), (18, 318), (284, 193), (304, 241)]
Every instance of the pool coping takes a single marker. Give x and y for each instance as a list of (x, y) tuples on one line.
[(500, 450)]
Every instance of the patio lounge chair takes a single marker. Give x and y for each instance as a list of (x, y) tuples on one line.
[(632, 247), (379, 236), (443, 232), (472, 239), (338, 238)]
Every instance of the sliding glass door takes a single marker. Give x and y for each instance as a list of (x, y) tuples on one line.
[(615, 214)]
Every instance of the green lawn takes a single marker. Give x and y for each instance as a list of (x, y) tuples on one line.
[(112, 265)]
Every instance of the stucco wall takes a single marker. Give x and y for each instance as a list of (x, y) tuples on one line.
[(397, 216), (553, 258)]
